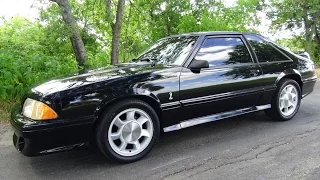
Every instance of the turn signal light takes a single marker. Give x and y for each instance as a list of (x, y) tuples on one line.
[(37, 110)]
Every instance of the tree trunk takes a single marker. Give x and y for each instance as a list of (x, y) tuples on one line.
[(308, 33), (75, 37), (168, 29), (116, 32), (316, 21), (317, 37)]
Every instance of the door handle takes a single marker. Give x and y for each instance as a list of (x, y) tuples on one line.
[(254, 72)]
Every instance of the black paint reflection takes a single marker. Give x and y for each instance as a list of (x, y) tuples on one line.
[(95, 89)]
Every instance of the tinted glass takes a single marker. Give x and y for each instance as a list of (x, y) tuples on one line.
[(223, 51), (172, 50), (264, 51)]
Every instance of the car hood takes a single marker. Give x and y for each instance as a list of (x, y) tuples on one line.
[(94, 76)]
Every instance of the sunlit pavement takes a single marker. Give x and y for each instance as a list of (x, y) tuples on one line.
[(246, 147)]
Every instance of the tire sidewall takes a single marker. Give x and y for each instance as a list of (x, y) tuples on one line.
[(296, 85), (102, 135)]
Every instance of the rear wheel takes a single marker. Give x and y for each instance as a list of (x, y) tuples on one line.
[(128, 131), (286, 102)]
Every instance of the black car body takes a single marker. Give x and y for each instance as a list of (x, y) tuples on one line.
[(222, 74)]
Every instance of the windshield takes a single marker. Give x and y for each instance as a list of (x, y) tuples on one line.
[(172, 50)]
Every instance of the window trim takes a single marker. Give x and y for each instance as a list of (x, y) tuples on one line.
[(269, 43), (202, 41), (193, 52), (199, 39), (274, 62)]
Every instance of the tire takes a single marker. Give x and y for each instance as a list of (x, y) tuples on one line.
[(127, 131), (285, 105)]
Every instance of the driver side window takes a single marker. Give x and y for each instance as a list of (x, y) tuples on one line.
[(222, 51)]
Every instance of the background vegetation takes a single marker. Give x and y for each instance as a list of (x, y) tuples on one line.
[(32, 51)]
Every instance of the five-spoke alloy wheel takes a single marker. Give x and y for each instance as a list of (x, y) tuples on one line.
[(128, 130), (286, 101)]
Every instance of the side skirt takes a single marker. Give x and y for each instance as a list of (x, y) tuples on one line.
[(215, 117)]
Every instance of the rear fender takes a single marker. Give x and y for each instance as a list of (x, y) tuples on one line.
[(290, 74)]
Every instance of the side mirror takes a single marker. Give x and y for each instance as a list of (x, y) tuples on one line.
[(196, 65)]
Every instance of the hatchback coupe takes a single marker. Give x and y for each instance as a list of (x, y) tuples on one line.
[(179, 82)]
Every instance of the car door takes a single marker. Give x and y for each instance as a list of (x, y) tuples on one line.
[(272, 61), (231, 81)]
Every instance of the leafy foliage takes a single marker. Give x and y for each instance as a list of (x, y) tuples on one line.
[(25, 58), (299, 14)]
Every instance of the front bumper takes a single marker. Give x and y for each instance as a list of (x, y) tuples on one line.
[(33, 138)]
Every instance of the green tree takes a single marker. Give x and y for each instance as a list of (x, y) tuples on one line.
[(25, 59), (299, 14)]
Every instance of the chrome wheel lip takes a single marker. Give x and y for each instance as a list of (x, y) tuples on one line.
[(123, 135), (288, 100)]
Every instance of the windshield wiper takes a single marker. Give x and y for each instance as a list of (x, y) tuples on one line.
[(152, 60)]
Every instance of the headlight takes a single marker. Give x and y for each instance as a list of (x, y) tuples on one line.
[(37, 110)]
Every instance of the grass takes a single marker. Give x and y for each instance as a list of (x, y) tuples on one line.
[(5, 108), (4, 115)]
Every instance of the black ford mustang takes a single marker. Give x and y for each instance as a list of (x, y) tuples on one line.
[(180, 81)]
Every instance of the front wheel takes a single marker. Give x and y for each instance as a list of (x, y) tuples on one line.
[(128, 131), (286, 102)]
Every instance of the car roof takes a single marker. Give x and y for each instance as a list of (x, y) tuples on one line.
[(208, 33)]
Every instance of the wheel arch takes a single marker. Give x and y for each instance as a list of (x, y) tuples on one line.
[(150, 100), (291, 74)]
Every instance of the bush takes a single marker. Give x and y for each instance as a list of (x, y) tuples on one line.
[(24, 61)]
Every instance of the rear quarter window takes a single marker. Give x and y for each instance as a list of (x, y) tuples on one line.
[(264, 50)]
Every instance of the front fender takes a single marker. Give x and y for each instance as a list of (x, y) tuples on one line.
[(137, 93)]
